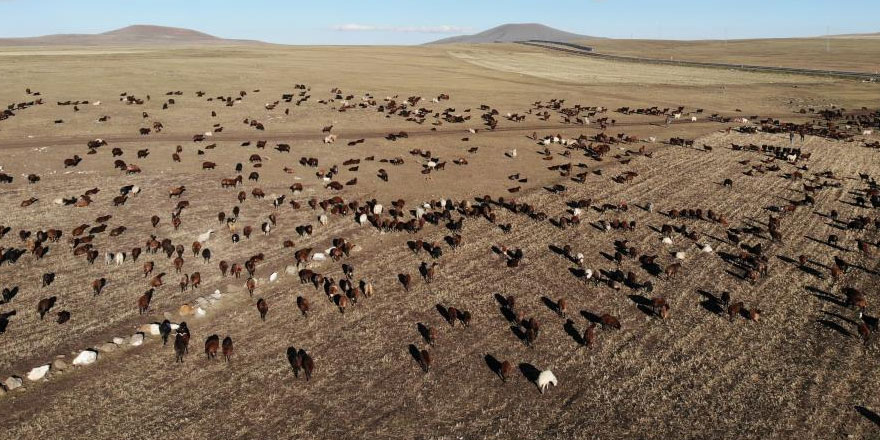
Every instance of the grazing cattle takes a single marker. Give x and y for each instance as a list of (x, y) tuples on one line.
[(734, 309), (263, 308), (505, 370), (165, 331), (98, 285), (227, 348), (181, 344), (303, 305), (609, 321), (144, 302), (45, 305), (212, 344)]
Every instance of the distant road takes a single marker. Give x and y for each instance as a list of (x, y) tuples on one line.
[(577, 49)]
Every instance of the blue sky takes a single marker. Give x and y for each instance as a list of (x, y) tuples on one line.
[(412, 22)]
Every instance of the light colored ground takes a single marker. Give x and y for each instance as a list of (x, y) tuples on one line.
[(695, 375), (851, 54)]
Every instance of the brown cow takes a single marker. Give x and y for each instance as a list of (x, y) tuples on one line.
[(227, 348), (263, 308), (212, 344)]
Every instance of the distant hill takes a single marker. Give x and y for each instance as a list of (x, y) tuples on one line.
[(871, 36), (507, 33), (128, 36)]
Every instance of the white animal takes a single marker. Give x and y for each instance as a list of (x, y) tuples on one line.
[(512, 153), (209, 134), (867, 132), (707, 249), (362, 219), (677, 115), (652, 139), (58, 201), (120, 258), (135, 190), (791, 157), (580, 261), (108, 258), (693, 119), (472, 131), (588, 273), (432, 164), (545, 379), (273, 277), (319, 257), (377, 209), (205, 237), (667, 240), (650, 207), (420, 212), (323, 219), (576, 211), (330, 138), (679, 255)]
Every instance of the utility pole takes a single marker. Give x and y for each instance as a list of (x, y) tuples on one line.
[(828, 39)]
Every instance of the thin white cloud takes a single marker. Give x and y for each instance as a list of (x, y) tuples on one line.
[(443, 29)]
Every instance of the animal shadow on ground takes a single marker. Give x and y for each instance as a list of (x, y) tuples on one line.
[(415, 354), (519, 333), (868, 414), (573, 332), (550, 304), (825, 296), (493, 364), (530, 372), (4, 320), (711, 302), (643, 304), (835, 326), (593, 318), (444, 312), (423, 330)]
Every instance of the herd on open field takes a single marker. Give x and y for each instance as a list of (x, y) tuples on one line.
[(749, 250)]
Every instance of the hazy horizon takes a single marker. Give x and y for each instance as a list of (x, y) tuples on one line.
[(399, 22)]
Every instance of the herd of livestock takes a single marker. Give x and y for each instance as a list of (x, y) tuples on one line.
[(336, 201)]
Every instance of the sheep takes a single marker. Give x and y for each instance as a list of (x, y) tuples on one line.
[(545, 379), (120, 258), (323, 219), (205, 236)]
